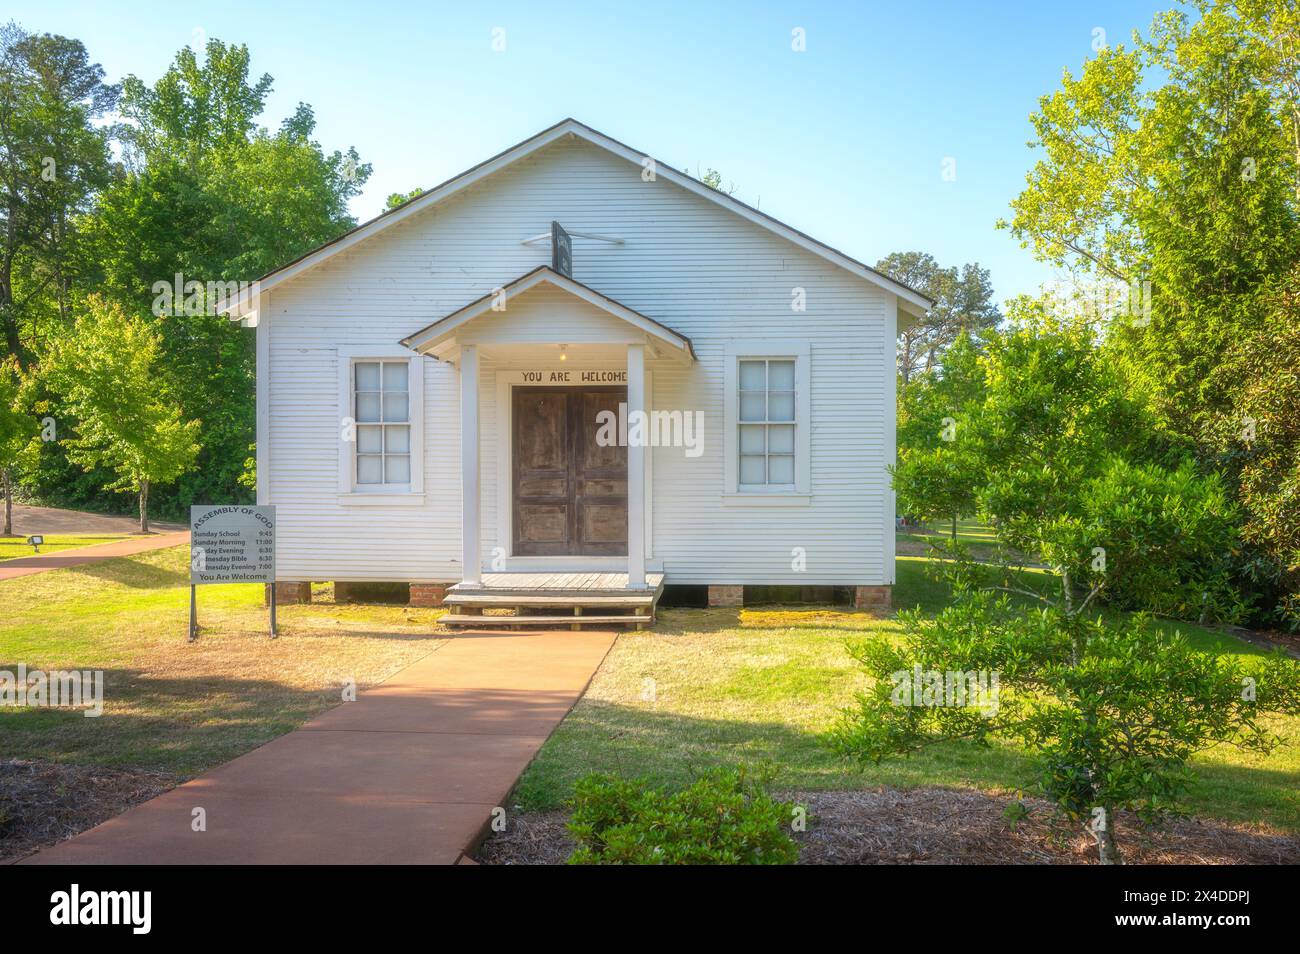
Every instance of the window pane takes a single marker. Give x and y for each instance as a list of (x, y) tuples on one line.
[(751, 439), (780, 406), (370, 470), (397, 440), (367, 375), (751, 470), (780, 375), (753, 376), (780, 470), (369, 439), (395, 375), (751, 405), (780, 439), (395, 406), (397, 470), (368, 407)]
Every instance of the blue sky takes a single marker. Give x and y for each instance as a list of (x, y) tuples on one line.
[(845, 141)]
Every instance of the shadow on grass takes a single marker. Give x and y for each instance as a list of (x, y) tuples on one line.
[(127, 571), (673, 749), (180, 725)]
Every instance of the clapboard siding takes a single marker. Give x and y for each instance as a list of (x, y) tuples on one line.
[(686, 262)]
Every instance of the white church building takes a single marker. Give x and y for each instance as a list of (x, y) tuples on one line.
[(568, 377)]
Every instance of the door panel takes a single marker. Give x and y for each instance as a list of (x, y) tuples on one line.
[(543, 507), (600, 476), (570, 493)]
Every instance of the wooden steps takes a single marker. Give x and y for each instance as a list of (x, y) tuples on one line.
[(530, 599), (605, 594), (464, 619)]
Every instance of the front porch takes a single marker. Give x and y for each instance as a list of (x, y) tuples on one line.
[(573, 599), (570, 508)]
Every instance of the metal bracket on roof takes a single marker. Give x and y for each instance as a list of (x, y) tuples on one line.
[(546, 237)]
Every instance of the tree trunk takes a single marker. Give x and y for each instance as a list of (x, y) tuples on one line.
[(9, 503), (144, 506), (1107, 848), (954, 528)]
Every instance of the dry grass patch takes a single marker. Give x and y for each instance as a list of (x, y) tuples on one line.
[(43, 803)]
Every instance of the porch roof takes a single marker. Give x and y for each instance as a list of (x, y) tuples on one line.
[(437, 337)]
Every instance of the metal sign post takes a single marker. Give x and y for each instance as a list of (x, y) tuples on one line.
[(234, 544)]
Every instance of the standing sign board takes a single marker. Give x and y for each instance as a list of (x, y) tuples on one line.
[(561, 251), (232, 544)]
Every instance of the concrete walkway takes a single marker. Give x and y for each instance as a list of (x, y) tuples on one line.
[(79, 556), (408, 774), (52, 520)]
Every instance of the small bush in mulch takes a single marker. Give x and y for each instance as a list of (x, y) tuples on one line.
[(42, 803), (726, 817), (944, 826)]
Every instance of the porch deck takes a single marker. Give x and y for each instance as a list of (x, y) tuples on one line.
[(549, 599)]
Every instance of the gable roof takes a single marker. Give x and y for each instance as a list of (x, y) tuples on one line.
[(571, 127), (429, 337)]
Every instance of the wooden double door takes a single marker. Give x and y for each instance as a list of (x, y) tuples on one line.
[(569, 491)]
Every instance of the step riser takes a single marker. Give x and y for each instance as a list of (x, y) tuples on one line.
[(466, 621)]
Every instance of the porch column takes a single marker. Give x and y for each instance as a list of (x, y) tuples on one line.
[(469, 485), (636, 469)]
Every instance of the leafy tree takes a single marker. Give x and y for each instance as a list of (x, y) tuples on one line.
[(1176, 163), (936, 476), (17, 429), (397, 198), (1046, 442), (1257, 445), (53, 159), (1054, 411), (195, 110), (963, 305), (213, 198), (1111, 712), (110, 371)]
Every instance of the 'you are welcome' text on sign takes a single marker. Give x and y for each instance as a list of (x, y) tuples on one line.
[(573, 376)]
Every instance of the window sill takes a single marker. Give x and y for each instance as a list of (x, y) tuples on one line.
[(766, 500), (363, 499)]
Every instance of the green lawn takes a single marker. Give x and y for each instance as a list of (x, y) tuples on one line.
[(724, 686), (174, 706), (11, 548), (703, 688), (969, 531)]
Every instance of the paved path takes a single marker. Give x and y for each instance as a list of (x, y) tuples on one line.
[(52, 520), (407, 774), (79, 556)]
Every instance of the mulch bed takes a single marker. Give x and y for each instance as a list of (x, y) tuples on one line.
[(42, 803), (944, 826)]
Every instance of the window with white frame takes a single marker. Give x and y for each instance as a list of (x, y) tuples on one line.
[(767, 444), (381, 404), (767, 400)]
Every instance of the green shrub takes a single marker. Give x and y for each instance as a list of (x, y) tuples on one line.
[(726, 817)]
